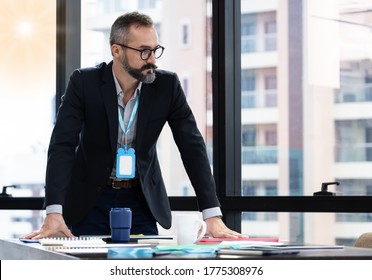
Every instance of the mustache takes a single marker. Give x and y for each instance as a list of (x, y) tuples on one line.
[(149, 66)]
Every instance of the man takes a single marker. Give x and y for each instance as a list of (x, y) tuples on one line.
[(102, 152)]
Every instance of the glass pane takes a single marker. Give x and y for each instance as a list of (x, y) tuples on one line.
[(341, 228), (184, 29), (27, 101), (16, 223), (306, 110)]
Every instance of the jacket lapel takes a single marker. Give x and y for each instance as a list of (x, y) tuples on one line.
[(110, 100), (144, 108)]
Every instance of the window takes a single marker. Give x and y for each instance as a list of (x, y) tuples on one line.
[(248, 33), (146, 4), (353, 140), (248, 88), (27, 103), (314, 123), (270, 35), (185, 33), (185, 80), (270, 90), (292, 108)]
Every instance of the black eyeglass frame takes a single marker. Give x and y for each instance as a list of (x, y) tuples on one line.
[(150, 51)]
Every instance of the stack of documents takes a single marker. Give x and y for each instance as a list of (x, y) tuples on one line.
[(262, 249)]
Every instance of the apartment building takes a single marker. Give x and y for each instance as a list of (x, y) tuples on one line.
[(306, 111)]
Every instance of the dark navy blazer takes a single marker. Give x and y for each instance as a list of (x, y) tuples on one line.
[(83, 143)]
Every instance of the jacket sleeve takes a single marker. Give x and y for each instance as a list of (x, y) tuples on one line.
[(192, 148), (64, 140)]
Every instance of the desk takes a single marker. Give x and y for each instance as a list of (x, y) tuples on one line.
[(17, 250)]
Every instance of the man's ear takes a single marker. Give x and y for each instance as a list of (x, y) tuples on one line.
[(115, 49)]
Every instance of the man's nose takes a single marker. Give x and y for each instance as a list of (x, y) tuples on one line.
[(151, 58)]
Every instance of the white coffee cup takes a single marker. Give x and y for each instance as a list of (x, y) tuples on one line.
[(190, 228)]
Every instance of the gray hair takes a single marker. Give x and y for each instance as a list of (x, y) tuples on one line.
[(120, 29)]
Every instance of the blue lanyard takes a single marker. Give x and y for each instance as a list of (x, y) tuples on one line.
[(131, 120)]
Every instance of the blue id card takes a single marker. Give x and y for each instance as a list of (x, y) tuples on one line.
[(125, 163)]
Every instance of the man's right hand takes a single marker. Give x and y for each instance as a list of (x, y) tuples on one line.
[(54, 226)]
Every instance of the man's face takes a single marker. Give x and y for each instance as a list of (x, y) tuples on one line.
[(142, 70)]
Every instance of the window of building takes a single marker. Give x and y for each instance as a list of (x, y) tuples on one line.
[(249, 94), (146, 4), (185, 80), (248, 33), (270, 91), (185, 33), (270, 35)]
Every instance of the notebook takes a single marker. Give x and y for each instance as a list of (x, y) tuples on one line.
[(74, 241)]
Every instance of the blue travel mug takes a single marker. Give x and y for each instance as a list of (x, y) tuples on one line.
[(120, 223)]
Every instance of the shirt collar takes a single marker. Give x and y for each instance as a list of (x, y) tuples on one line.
[(119, 91)]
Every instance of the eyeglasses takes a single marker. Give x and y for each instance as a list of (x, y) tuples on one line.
[(146, 53)]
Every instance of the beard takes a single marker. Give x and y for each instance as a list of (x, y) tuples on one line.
[(136, 73)]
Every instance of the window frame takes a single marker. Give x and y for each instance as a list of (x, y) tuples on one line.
[(226, 68)]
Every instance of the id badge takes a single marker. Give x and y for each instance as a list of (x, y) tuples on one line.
[(125, 163)]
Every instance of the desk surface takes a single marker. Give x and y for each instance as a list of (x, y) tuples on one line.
[(18, 250)]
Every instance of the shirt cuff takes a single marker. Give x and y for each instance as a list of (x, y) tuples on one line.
[(211, 212), (54, 208)]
